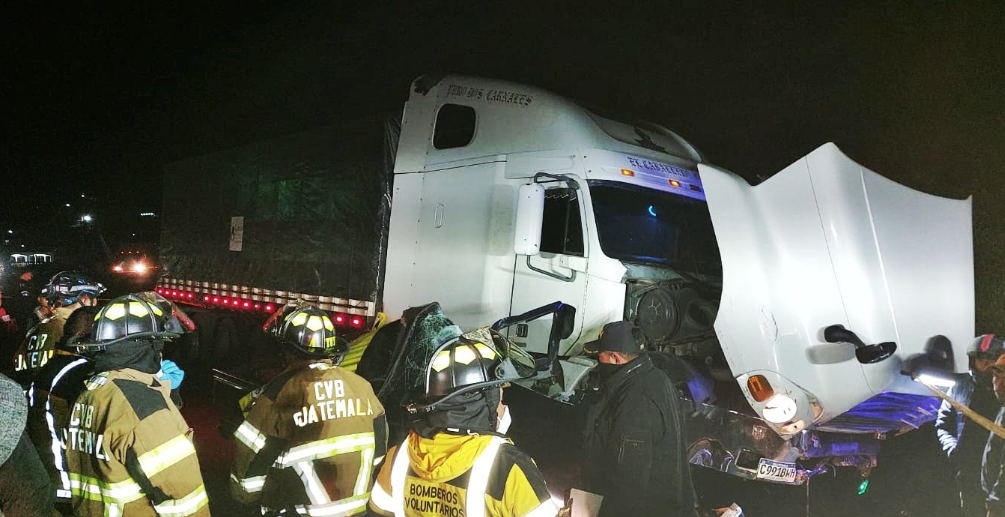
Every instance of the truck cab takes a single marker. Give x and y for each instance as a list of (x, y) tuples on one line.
[(507, 197)]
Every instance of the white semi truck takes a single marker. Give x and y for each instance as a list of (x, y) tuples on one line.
[(801, 300)]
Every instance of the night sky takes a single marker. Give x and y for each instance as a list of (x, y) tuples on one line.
[(98, 96)]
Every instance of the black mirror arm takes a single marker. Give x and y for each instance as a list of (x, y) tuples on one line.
[(866, 354)]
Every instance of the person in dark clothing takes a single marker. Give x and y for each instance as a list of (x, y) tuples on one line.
[(634, 442), (24, 486), (962, 439), (993, 461), (51, 396)]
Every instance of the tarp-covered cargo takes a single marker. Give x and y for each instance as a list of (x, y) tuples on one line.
[(306, 213)]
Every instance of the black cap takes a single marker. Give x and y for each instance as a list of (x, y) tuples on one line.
[(618, 336)]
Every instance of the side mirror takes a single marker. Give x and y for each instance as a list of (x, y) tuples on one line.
[(866, 354), (529, 217)]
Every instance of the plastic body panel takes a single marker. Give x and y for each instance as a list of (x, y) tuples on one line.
[(827, 241)]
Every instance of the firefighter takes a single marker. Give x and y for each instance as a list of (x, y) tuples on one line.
[(455, 461), (128, 450), (54, 389), (313, 434), (66, 291)]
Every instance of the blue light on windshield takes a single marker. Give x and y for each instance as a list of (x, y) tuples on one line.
[(651, 211)]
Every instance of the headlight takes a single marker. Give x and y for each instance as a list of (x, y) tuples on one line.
[(139, 267), (779, 409)]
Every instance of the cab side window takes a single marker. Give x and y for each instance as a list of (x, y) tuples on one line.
[(455, 126), (562, 230)]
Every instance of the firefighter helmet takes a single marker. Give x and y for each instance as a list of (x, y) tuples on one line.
[(67, 287), (130, 318), (988, 346), (464, 365), (310, 331)]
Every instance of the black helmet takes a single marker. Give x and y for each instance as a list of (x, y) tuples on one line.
[(987, 346), (465, 365), (308, 330), (129, 318), (169, 307), (66, 287)]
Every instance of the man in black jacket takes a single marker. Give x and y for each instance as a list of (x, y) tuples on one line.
[(962, 439), (634, 441)]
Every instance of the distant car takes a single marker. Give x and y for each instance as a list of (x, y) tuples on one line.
[(134, 264)]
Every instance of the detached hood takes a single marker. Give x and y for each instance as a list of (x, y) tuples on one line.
[(827, 241)]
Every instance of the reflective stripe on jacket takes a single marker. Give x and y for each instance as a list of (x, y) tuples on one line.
[(129, 452), (460, 476), (54, 390), (309, 443)]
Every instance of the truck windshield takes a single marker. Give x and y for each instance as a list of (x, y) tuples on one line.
[(637, 224)]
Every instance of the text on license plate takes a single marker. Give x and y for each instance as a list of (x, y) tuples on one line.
[(776, 470)]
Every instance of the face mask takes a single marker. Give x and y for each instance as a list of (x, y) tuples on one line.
[(503, 422)]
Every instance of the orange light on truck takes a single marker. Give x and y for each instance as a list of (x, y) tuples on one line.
[(759, 387), (627, 172), (675, 183)]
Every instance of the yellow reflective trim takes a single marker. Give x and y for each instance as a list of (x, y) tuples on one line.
[(137, 309), (441, 361), (185, 506), (315, 323), (299, 319), (166, 454), (485, 350), (156, 310), (320, 449), (94, 489), (328, 324), (464, 355), (115, 311)]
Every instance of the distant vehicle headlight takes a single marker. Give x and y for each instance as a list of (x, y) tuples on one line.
[(118, 268), (779, 409), (139, 267)]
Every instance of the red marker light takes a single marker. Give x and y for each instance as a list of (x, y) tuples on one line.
[(356, 321), (247, 304), (269, 308), (224, 301), (207, 298), (190, 296), (340, 319), (258, 306), (236, 302)]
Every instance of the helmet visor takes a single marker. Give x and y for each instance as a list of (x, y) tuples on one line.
[(168, 306), (516, 362)]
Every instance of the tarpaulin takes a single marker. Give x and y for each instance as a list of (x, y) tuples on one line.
[(306, 213)]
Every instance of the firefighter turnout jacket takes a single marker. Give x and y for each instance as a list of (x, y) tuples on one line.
[(38, 347), (129, 452), (309, 443), (454, 475), (55, 389)]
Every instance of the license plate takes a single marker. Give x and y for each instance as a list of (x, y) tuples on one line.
[(776, 470)]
